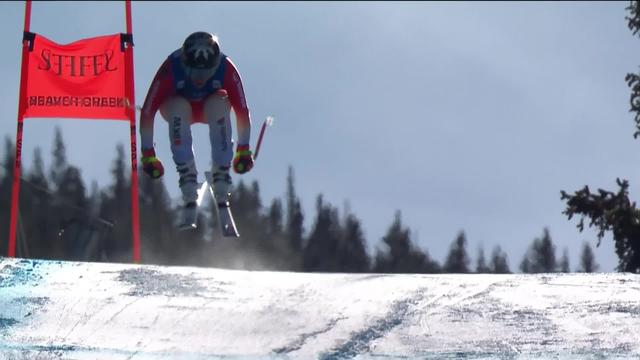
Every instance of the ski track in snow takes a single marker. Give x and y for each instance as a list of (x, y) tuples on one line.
[(302, 339), (360, 341), (59, 310)]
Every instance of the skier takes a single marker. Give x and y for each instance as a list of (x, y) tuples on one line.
[(198, 84)]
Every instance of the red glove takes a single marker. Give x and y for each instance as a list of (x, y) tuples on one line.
[(243, 161), (151, 164)]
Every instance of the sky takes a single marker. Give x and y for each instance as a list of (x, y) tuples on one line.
[(463, 116)]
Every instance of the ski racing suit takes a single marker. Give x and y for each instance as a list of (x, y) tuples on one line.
[(182, 104)]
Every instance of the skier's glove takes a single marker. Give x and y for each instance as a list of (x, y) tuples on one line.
[(151, 164), (243, 161)]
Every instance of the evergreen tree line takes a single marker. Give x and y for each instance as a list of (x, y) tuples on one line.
[(60, 218)]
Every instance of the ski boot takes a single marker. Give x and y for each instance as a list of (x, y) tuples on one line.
[(189, 187), (222, 185)]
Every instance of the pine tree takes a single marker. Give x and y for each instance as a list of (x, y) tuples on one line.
[(457, 259), (545, 254), (525, 265), (481, 265), (281, 254), (564, 262), (74, 208), (320, 252), (499, 263), (59, 166), (613, 212), (275, 217), (247, 208), (587, 259), (295, 217), (97, 228), (6, 183), (540, 258), (401, 255), (68, 207), (157, 229), (116, 208), (269, 231), (608, 210), (398, 242), (35, 199), (352, 252)]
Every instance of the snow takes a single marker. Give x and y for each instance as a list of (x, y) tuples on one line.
[(71, 310)]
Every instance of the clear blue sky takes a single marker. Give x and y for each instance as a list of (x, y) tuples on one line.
[(464, 116)]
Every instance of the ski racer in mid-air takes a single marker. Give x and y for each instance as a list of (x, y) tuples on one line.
[(198, 84)]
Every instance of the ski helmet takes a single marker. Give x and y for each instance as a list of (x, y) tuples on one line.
[(200, 50)]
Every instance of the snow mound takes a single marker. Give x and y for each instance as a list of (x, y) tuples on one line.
[(71, 310)]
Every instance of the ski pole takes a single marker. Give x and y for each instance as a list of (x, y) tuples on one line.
[(268, 121)]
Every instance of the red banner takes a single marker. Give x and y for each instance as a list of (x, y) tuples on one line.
[(84, 79)]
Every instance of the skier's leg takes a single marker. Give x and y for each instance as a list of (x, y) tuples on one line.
[(217, 113), (177, 111)]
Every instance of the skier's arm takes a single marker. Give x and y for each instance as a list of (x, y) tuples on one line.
[(233, 86), (159, 89)]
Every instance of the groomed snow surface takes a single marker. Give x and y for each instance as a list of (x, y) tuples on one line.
[(67, 310)]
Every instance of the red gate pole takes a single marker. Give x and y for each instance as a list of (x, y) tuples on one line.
[(15, 192), (131, 112)]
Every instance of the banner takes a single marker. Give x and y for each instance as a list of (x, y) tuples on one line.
[(84, 79)]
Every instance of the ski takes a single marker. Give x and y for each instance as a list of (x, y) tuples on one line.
[(223, 210), (225, 218)]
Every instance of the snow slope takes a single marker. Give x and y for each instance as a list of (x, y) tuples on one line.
[(67, 310)]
